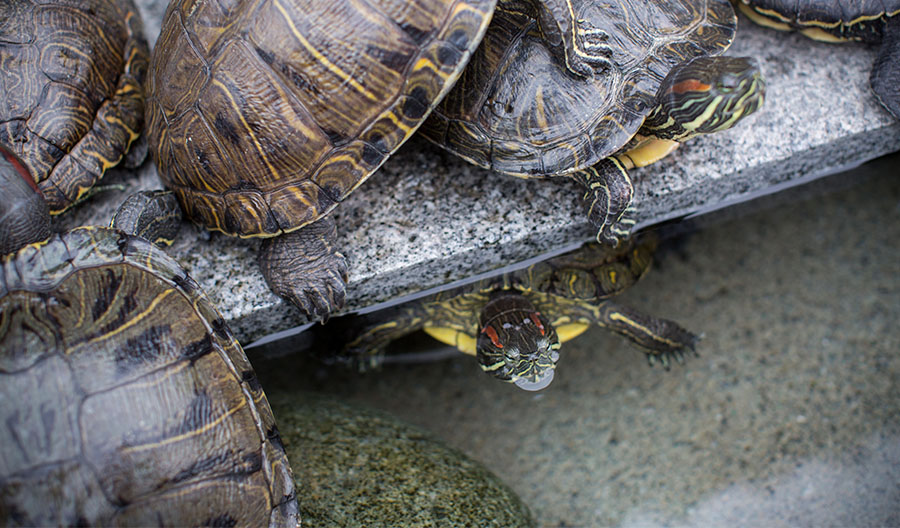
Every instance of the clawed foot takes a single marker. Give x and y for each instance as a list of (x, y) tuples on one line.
[(305, 268), (608, 195), (592, 50)]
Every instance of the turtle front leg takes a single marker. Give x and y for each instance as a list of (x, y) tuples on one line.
[(608, 196), (305, 268), (885, 77), (370, 336), (661, 339), (578, 44)]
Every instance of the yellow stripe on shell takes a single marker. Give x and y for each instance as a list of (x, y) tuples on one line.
[(136, 318), (330, 66)]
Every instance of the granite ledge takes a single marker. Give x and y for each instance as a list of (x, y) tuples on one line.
[(427, 219)]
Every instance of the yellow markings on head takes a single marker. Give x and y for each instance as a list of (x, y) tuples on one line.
[(464, 342), (571, 331), (613, 276)]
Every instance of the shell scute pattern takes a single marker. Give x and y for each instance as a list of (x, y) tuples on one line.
[(308, 99), (145, 381), (72, 100), (533, 118)]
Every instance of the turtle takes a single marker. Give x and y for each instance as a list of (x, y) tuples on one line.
[(869, 21), (264, 115), (71, 91), (514, 323), (659, 80), (125, 397)]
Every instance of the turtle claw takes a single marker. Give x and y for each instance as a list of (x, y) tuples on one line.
[(304, 268)]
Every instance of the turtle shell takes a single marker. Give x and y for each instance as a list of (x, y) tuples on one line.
[(861, 20), (517, 110), (275, 110), (71, 96), (125, 397)]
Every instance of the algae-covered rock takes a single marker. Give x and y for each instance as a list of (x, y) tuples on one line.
[(357, 467)]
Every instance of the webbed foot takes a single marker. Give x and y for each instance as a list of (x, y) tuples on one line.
[(305, 268)]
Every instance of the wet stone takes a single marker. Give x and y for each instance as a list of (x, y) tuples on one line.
[(358, 467)]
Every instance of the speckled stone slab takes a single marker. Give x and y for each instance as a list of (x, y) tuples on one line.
[(426, 218)]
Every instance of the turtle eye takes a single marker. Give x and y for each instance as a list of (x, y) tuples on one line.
[(512, 354), (534, 316), (727, 82)]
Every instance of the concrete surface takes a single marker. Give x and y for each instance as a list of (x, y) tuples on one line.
[(427, 218), (789, 417)]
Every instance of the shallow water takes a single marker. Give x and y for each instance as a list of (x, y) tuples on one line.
[(790, 416)]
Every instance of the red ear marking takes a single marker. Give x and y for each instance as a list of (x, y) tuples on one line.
[(690, 85), (20, 168), (495, 339), (536, 320)]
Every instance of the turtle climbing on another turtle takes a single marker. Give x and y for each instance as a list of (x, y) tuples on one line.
[(514, 323), (870, 21), (264, 115), (126, 400), (71, 90), (519, 110)]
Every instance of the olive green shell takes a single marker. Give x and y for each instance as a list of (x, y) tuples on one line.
[(861, 20), (264, 114), (591, 273), (517, 110), (71, 96), (124, 397)]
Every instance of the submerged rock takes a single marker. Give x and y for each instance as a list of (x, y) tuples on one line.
[(358, 467)]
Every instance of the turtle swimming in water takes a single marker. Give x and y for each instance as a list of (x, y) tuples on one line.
[(124, 397), (658, 80), (514, 323), (870, 21)]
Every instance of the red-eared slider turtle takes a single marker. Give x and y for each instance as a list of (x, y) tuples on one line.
[(870, 21), (71, 96), (124, 397), (518, 110), (514, 323), (264, 115)]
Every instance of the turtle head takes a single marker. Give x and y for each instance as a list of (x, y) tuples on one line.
[(24, 215), (704, 95), (516, 343)]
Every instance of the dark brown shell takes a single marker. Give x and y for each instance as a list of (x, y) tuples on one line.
[(264, 116), (857, 20), (124, 397), (71, 96), (517, 110)]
